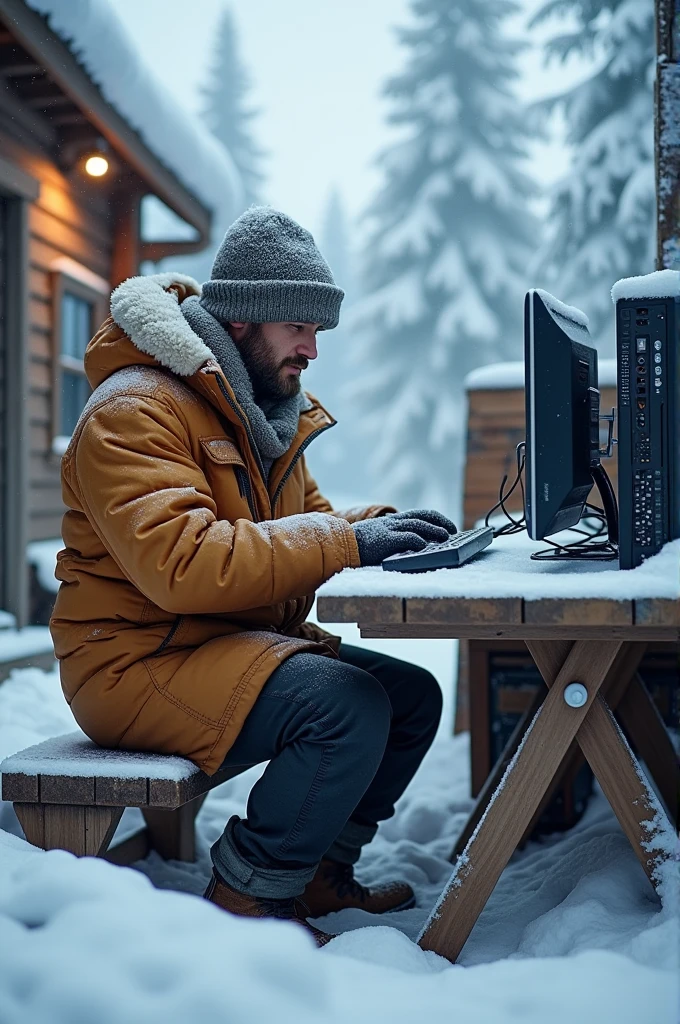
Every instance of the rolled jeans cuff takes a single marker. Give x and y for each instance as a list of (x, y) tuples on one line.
[(262, 883), (347, 847)]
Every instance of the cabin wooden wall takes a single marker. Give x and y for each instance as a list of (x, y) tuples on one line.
[(71, 219), (495, 427)]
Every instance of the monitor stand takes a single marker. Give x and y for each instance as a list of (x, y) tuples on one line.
[(595, 550)]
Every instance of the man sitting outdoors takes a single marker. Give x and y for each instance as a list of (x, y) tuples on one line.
[(195, 540)]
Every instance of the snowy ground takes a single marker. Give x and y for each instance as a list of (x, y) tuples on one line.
[(573, 931)]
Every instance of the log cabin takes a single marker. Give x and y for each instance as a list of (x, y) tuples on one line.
[(75, 169)]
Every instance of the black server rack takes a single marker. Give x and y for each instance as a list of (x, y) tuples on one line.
[(647, 338)]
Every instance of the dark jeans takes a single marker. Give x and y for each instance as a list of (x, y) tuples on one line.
[(343, 740)]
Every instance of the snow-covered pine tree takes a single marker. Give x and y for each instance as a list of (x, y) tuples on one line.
[(226, 110), (333, 458), (451, 238), (335, 244), (601, 224)]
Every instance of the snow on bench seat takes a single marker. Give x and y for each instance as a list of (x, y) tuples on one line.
[(71, 769)]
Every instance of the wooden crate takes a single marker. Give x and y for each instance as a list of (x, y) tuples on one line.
[(495, 428)]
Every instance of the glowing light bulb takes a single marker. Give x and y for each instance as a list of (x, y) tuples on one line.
[(96, 166)]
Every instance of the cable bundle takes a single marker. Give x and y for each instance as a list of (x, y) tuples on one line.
[(586, 547)]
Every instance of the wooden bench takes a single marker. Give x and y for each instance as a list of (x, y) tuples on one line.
[(70, 794)]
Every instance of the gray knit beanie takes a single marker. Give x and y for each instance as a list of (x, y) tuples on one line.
[(267, 270)]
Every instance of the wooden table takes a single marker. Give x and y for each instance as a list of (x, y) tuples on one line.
[(595, 642)]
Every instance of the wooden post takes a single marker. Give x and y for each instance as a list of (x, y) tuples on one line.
[(127, 235), (667, 134), (172, 832), (643, 723)]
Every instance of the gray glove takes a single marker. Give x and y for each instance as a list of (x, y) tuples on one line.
[(428, 515), (395, 532)]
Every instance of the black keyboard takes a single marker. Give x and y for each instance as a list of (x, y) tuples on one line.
[(459, 548)]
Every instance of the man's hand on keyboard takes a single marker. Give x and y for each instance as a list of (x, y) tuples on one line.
[(396, 532), (427, 515)]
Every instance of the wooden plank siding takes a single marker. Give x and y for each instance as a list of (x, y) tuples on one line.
[(495, 427), (65, 221)]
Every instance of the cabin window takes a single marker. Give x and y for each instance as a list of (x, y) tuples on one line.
[(78, 311), (76, 330)]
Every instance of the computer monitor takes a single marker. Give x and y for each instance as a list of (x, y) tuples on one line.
[(562, 414)]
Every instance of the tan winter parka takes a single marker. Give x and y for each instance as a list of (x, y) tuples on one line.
[(185, 578)]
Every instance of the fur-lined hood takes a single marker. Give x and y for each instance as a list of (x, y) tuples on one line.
[(148, 310)]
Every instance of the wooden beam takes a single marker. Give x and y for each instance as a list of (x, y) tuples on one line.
[(172, 832), (155, 251), (23, 69), (48, 101), (644, 725), (31, 121), (657, 612), (425, 631), (125, 258), (360, 609), (513, 805), (618, 678), (458, 610), (586, 612), (617, 771), (69, 117)]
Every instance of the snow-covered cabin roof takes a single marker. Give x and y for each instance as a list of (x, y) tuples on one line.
[(507, 376), (97, 39)]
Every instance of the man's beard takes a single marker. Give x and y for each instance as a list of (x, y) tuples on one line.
[(269, 381)]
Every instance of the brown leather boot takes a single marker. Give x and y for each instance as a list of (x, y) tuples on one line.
[(235, 902), (334, 887)]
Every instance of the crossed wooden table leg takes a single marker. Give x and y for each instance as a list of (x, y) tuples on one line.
[(531, 773)]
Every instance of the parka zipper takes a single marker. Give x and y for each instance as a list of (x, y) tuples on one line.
[(245, 490), (296, 458), (245, 424), (168, 638)]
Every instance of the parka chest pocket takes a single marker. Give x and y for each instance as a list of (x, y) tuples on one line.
[(222, 452)]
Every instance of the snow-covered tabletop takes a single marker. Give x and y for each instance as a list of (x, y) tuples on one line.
[(75, 755), (505, 569)]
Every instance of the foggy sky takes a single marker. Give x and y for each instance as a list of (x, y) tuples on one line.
[(317, 68)]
